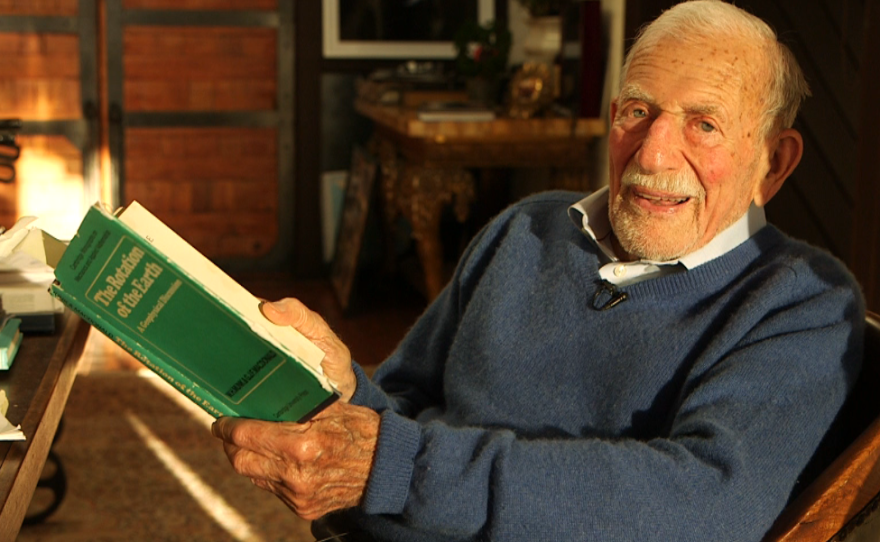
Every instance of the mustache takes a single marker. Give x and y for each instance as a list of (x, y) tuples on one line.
[(681, 183)]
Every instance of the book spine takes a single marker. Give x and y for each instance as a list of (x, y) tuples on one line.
[(149, 358)]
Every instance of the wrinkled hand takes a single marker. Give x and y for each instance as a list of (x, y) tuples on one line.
[(337, 360), (314, 468)]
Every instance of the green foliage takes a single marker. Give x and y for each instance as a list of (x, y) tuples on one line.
[(482, 50), (543, 8)]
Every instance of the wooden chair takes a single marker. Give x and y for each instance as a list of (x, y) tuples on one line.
[(847, 492)]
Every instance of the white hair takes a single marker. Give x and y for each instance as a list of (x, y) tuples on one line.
[(697, 19)]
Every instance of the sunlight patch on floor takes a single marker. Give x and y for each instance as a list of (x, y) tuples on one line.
[(212, 503), (199, 415)]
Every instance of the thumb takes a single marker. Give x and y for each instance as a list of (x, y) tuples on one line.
[(337, 363), (292, 312)]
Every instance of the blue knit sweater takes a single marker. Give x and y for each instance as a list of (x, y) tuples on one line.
[(514, 411)]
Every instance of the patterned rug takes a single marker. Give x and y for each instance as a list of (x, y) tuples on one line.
[(141, 465)]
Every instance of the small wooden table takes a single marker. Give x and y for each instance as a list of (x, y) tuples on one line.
[(425, 166), (37, 386)]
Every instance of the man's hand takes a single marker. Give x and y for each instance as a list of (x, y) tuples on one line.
[(314, 468), (337, 360)]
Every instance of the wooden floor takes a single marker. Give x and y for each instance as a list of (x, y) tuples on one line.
[(139, 458)]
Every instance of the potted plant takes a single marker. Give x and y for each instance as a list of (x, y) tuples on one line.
[(482, 52), (544, 8)]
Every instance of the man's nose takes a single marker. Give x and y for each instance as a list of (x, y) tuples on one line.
[(661, 148)]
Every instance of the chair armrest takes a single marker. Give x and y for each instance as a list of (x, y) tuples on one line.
[(850, 486)]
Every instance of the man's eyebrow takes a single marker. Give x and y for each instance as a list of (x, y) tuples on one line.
[(634, 93), (703, 109), (631, 92)]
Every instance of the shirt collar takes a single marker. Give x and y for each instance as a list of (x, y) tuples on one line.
[(590, 215)]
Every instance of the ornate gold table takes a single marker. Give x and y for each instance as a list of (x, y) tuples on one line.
[(425, 166)]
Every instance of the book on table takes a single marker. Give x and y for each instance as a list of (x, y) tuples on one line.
[(25, 276), (134, 279), (10, 340), (453, 111)]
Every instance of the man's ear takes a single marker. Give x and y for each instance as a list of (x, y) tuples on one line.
[(787, 149)]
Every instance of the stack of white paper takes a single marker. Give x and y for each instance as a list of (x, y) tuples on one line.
[(7, 430), (27, 258)]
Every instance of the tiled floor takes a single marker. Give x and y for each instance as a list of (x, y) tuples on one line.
[(140, 461)]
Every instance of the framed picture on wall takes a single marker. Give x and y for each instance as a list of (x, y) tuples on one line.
[(405, 29)]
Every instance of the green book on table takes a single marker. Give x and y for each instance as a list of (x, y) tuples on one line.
[(135, 280), (10, 340)]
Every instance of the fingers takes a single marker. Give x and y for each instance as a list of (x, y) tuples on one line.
[(293, 312), (308, 505), (255, 466), (252, 449), (256, 435), (314, 468)]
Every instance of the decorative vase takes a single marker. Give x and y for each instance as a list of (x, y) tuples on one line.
[(543, 39)]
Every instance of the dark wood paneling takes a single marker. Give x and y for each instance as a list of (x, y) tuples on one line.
[(813, 28), (640, 13), (307, 121), (825, 181), (866, 240)]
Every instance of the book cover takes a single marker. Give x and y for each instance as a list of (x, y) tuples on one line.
[(136, 281), (10, 340)]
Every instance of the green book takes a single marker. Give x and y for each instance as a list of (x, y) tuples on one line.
[(10, 340), (135, 280)]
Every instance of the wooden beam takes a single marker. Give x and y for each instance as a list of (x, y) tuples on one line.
[(866, 227), (308, 261)]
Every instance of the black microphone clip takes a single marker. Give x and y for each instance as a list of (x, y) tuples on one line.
[(608, 296)]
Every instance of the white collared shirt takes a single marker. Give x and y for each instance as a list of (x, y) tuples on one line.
[(591, 216)]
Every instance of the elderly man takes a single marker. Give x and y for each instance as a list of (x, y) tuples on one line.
[(662, 368)]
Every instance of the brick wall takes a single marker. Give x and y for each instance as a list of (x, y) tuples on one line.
[(214, 186), (217, 187), (268, 5), (199, 69), (40, 76), (40, 82), (39, 7)]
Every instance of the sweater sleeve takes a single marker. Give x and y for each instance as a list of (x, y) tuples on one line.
[(411, 379), (743, 430)]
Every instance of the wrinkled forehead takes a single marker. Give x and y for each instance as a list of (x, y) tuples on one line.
[(733, 67)]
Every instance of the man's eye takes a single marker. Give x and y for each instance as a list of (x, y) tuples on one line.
[(707, 127), (639, 113)]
